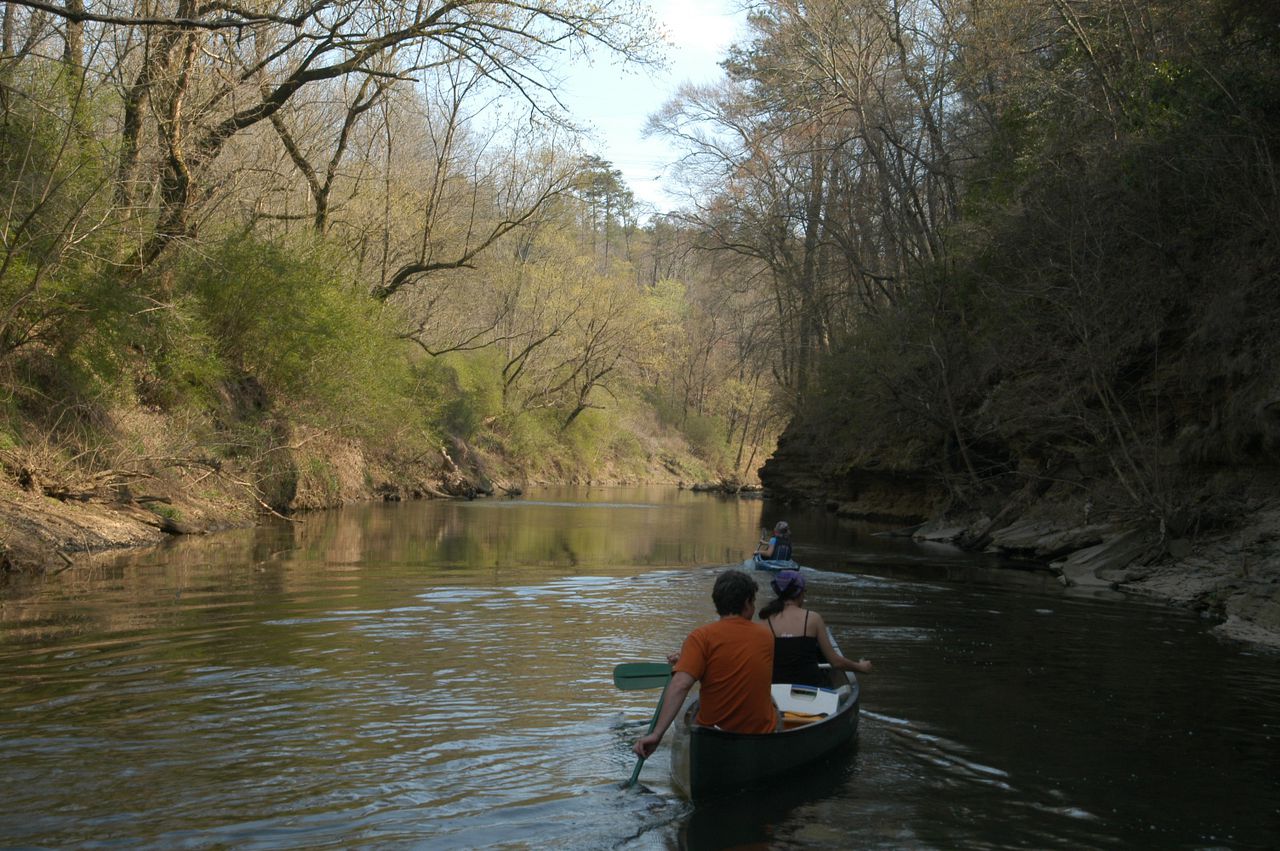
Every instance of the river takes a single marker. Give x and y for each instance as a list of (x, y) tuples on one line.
[(438, 675)]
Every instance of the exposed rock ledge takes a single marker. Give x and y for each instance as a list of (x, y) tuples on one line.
[(1233, 576)]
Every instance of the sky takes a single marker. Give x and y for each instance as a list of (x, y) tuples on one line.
[(616, 102)]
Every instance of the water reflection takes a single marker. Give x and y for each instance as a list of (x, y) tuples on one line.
[(434, 675), (784, 816)]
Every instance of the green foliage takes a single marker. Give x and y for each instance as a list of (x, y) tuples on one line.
[(434, 391), (706, 436), (142, 293), (320, 477), (628, 450), (185, 366), (667, 409), (55, 174), (601, 439), (1105, 292), (167, 511), (284, 313), (589, 440), (531, 441), (471, 392), (57, 290)]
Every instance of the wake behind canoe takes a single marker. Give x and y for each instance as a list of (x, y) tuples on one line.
[(758, 563)]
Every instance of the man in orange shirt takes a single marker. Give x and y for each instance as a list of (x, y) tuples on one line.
[(732, 658)]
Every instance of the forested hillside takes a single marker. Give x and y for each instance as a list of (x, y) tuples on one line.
[(1025, 258), (1011, 243), (279, 256)]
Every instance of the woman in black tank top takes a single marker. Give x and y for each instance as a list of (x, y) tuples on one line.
[(800, 639), (796, 658)]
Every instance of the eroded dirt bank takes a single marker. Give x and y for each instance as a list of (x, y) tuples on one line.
[(49, 517)]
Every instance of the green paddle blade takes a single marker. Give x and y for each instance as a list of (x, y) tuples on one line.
[(630, 676)]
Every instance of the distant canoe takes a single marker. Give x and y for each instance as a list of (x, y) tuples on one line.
[(707, 761), (757, 563)]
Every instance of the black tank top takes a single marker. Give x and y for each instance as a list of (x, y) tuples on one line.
[(796, 658)]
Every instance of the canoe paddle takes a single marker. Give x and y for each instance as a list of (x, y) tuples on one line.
[(630, 676)]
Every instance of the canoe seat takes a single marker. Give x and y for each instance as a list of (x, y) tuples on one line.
[(804, 702)]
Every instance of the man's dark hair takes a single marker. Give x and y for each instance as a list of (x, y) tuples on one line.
[(731, 592)]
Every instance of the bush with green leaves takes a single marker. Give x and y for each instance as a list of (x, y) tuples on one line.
[(531, 441), (285, 313), (467, 391), (60, 299)]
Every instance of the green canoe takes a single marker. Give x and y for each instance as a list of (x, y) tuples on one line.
[(707, 761)]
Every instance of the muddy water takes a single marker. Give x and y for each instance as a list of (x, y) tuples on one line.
[(437, 675)]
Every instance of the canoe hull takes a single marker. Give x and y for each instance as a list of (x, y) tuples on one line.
[(706, 762), (771, 565)]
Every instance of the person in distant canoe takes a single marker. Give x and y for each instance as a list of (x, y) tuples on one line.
[(778, 547), (800, 639), (732, 658)]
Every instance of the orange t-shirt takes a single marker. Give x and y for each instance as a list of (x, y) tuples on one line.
[(733, 659)]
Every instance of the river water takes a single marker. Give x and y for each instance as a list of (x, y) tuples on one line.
[(438, 675)]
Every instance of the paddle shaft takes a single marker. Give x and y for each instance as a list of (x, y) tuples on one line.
[(652, 723), (642, 675)]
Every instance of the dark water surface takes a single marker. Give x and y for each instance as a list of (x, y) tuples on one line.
[(438, 675)]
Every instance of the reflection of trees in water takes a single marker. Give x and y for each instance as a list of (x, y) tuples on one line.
[(642, 526), (188, 583)]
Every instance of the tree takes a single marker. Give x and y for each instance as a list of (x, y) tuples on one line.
[(606, 199), (205, 74), (357, 95)]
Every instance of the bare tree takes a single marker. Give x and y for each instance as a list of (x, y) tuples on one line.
[(207, 73), (358, 95)]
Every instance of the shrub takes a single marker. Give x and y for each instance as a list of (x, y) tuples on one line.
[(706, 436), (57, 230), (284, 313), (469, 392)]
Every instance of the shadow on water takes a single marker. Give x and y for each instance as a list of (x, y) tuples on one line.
[(753, 819)]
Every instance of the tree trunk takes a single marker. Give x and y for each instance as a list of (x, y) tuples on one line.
[(73, 44)]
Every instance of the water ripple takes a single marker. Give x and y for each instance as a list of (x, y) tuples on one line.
[(408, 677)]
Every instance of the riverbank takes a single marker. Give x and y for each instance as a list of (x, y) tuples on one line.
[(1220, 557), (1231, 576), (52, 514)]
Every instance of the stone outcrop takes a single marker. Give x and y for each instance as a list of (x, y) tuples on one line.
[(880, 489), (1230, 572)]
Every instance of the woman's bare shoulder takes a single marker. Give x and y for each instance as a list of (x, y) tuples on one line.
[(816, 623)]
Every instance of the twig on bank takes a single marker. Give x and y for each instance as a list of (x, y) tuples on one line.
[(254, 493)]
